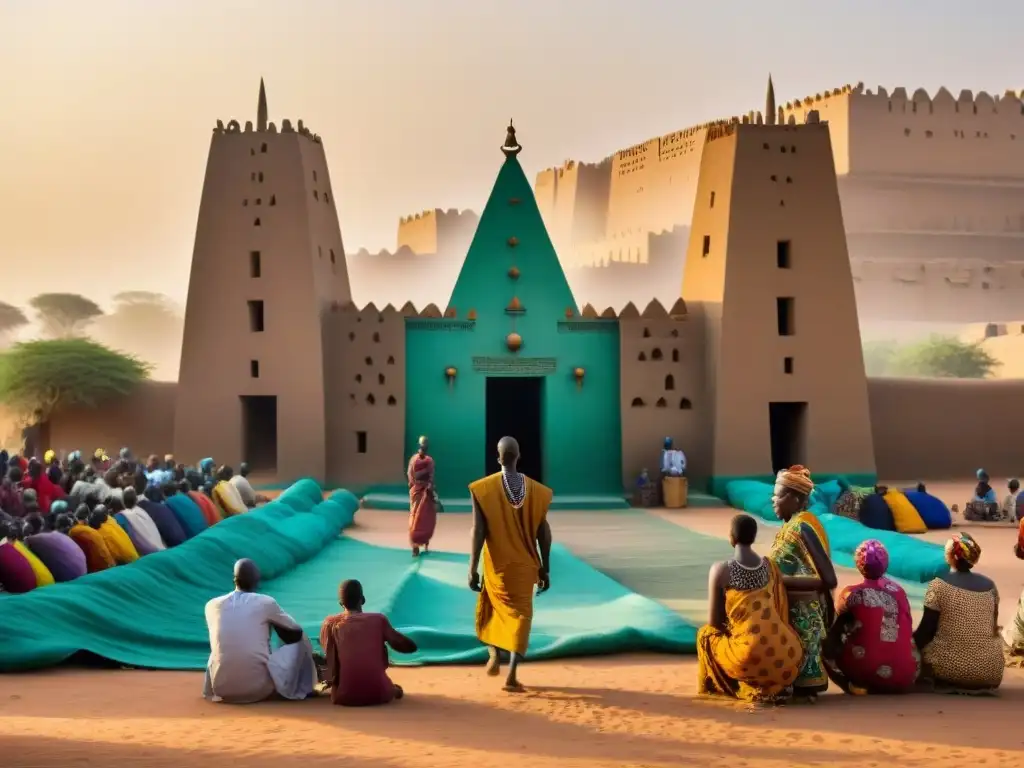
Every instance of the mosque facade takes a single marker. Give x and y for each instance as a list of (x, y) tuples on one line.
[(756, 365)]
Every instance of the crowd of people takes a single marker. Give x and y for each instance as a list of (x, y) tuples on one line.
[(775, 634), (63, 517)]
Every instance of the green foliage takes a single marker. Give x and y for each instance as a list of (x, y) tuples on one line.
[(63, 315), (39, 377), (945, 357)]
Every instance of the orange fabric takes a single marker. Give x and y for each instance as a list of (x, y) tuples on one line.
[(759, 655), (118, 542), (206, 506), (511, 562), (97, 555)]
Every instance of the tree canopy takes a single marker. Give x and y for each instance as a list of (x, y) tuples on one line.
[(63, 315), (40, 377), (936, 357), (145, 324), (11, 317)]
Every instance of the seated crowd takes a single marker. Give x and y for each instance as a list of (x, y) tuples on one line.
[(774, 632), (61, 518)]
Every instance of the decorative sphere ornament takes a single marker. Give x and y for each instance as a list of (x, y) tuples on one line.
[(514, 342)]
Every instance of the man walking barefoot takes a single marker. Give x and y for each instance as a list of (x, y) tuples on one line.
[(511, 531)]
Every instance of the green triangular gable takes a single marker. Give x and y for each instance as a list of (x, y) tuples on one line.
[(484, 283)]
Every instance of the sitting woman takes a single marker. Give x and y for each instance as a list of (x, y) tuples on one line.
[(870, 647), (1013, 633), (984, 505), (748, 650), (958, 635)]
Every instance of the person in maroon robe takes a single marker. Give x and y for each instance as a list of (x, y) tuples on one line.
[(423, 500)]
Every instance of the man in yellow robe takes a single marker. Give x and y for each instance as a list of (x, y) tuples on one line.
[(511, 531)]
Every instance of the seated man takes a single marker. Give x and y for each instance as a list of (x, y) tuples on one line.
[(355, 644), (983, 506), (242, 668), (1009, 507), (59, 553), (85, 533), (226, 495), (245, 490)]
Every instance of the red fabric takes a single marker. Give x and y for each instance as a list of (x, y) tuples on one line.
[(206, 506), (16, 574), (879, 653), (422, 509), (46, 491), (357, 658)]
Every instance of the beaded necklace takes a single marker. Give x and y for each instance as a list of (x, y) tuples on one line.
[(515, 488)]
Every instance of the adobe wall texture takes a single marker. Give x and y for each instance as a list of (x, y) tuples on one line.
[(946, 428), (761, 186), (267, 196), (663, 389), (364, 361)]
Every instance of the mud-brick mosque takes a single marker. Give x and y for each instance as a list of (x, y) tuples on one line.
[(756, 366)]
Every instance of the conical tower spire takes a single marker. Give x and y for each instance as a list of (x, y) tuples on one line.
[(261, 109), (769, 103), (511, 146)]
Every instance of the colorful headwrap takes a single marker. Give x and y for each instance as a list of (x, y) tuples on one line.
[(49, 456), (796, 478), (58, 507), (981, 473), (872, 559), (75, 456), (963, 547), (101, 455)]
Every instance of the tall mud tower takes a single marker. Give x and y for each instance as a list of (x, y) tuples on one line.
[(268, 263), (768, 258)]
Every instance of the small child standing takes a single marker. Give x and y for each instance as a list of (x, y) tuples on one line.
[(1009, 509)]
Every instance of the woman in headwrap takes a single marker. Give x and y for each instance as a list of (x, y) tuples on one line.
[(870, 648), (801, 549), (422, 498), (959, 632)]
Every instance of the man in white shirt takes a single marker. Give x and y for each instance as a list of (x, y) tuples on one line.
[(245, 490), (242, 668)]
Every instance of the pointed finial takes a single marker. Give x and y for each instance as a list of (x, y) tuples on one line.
[(511, 147), (769, 103), (261, 109)]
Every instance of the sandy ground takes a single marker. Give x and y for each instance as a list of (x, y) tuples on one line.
[(612, 711)]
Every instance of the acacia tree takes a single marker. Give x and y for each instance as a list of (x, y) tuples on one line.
[(11, 318), (63, 315), (945, 357), (38, 378)]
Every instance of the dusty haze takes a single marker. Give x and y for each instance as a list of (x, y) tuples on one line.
[(108, 105)]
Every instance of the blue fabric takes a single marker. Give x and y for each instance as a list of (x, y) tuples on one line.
[(933, 510), (909, 558), (875, 513), (189, 515)]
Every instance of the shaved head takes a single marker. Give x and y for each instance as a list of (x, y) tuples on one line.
[(508, 451), (247, 575)]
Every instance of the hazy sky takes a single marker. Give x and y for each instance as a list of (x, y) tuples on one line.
[(106, 106)]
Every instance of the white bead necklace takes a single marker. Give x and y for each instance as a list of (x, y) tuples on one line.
[(517, 498)]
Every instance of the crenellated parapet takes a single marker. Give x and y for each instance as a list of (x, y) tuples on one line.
[(654, 310), (234, 127)]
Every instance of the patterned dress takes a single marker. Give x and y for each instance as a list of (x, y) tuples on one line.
[(758, 655), (877, 651), (807, 614), (967, 651)]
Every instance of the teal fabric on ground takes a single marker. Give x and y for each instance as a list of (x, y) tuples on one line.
[(150, 613), (909, 558), (585, 612)]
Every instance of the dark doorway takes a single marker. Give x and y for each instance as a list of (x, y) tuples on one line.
[(259, 432), (788, 425), (514, 409)]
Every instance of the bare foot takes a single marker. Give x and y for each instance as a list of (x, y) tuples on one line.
[(415, 551), (493, 663), (513, 686), (399, 693)]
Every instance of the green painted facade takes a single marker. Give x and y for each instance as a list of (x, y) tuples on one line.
[(580, 421)]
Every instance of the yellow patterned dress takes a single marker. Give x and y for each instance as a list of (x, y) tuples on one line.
[(758, 656), (808, 615), (966, 653)]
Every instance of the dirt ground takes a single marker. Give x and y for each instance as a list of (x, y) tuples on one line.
[(614, 711)]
